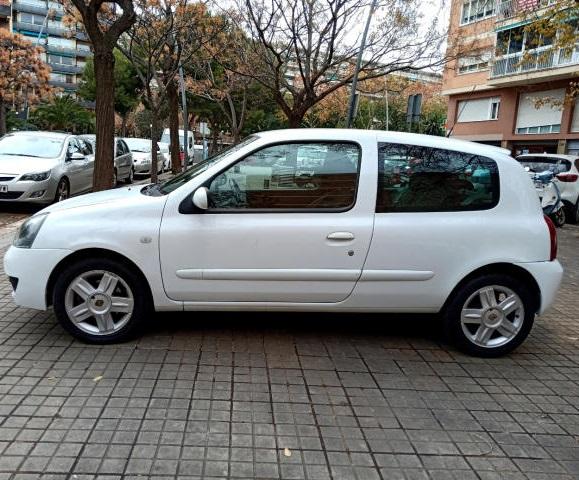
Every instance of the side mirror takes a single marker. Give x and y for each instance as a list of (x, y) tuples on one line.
[(76, 156), (201, 198)]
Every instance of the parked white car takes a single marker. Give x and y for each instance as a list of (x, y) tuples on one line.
[(566, 171), (304, 220), (166, 154), (141, 150)]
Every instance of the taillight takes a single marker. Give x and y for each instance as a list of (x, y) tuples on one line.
[(552, 237), (567, 177)]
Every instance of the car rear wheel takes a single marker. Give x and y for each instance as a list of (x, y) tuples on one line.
[(490, 315), (101, 301), (573, 213)]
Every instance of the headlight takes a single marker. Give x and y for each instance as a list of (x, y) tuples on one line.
[(28, 231), (36, 177)]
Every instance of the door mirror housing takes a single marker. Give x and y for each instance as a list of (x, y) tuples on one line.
[(76, 156), (201, 198)]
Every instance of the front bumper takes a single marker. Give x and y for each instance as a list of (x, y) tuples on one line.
[(30, 192), (32, 268), (548, 276)]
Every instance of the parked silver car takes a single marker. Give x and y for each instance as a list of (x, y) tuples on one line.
[(44, 167), (124, 170)]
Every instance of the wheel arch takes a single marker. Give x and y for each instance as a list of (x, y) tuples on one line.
[(509, 269), (92, 253)]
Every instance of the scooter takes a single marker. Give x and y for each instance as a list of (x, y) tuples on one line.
[(550, 196)]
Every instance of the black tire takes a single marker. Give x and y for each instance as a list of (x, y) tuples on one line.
[(452, 314), (115, 178), (572, 213), (131, 176), (559, 217), (142, 303), (62, 190)]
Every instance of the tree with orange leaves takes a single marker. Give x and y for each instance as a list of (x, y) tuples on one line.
[(23, 75)]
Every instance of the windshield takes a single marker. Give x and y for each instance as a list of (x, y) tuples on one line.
[(138, 144), (198, 168), (543, 164), (37, 146)]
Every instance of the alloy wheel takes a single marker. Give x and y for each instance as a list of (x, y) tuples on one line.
[(492, 316), (99, 302)]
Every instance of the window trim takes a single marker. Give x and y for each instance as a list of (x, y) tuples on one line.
[(186, 205), (495, 181)]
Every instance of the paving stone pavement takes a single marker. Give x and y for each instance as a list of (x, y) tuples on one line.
[(304, 396)]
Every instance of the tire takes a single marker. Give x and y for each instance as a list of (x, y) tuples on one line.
[(115, 178), (132, 294), (472, 336), (62, 190), (130, 177), (572, 213), (558, 217)]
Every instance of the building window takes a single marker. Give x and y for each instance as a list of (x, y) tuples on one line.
[(60, 60), (474, 63), (494, 111), (540, 112), (475, 10), (62, 77), (32, 19), (478, 110)]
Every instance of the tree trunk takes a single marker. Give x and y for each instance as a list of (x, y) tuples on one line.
[(2, 118), (173, 99), (104, 65), (295, 119), (154, 147), (214, 141), (124, 125)]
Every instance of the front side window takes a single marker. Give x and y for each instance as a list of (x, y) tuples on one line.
[(292, 176), (413, 178)]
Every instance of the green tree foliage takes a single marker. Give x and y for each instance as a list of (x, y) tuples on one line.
[(63, 114), (127, 85)]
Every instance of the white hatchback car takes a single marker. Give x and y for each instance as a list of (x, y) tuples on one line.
[(309, 220)]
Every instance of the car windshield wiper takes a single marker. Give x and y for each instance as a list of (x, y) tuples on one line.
[(153, 190)]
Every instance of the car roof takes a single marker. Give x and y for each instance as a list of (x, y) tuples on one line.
[(384, 136), (571, 158), (137, 138), (41, 133)]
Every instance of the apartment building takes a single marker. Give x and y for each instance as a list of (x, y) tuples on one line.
[(505, 90), (5, 15), (66, 50)]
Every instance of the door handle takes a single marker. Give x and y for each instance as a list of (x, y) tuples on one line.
[(345, 236)]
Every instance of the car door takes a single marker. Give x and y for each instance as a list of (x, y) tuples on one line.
[(74, 169), (290, 222), (88, 170)]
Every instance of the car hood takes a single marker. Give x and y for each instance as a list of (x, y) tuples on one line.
[(116, 195), (18, 165)]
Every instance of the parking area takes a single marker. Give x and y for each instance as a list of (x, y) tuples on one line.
[(304, 396)]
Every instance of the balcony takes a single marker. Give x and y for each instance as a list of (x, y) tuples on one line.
[(60, 68), (506, 9), (64, 85), (59, 50), (83, 52), (40, 8), (546, 63)]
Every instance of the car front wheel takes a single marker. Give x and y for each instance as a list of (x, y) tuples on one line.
[(100, 301), (490, 315)]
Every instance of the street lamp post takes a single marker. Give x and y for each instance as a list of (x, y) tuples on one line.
[(352, 108)]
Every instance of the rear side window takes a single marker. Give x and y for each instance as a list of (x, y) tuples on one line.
[(413, 178), (542, 164)]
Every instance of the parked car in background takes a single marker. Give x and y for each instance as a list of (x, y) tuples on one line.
[(166, 138), (123, 170), (164, 149), (565, 168), (336, 230), (44, 167), (142, 160)]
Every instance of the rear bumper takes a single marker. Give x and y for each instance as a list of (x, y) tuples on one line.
[(548, 276)]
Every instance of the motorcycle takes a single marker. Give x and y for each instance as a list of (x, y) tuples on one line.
[(550, 196)]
